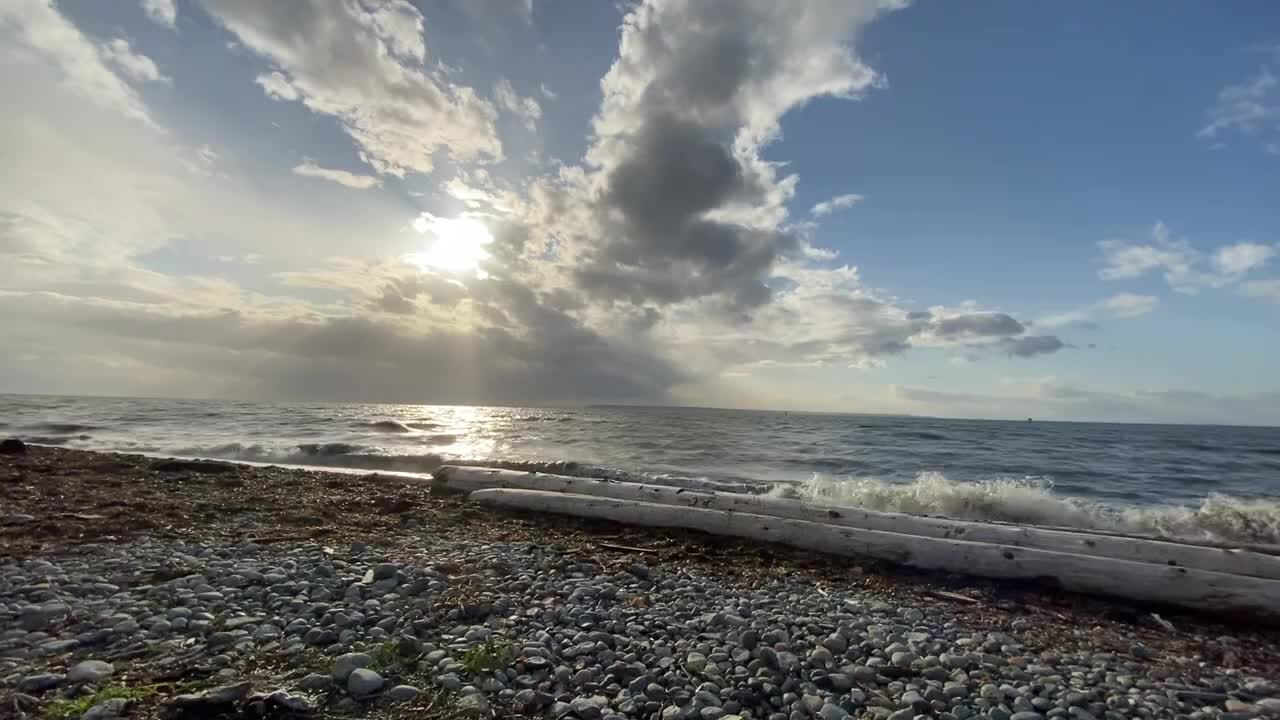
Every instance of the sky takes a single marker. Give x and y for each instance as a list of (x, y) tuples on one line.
[(982, 209)]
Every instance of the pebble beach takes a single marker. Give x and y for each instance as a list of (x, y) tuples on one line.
[(137, 587)]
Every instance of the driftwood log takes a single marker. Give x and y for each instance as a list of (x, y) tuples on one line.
[(1157, 551), (1184, 587)]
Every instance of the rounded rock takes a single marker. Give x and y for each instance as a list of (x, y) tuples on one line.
[(363, 681)]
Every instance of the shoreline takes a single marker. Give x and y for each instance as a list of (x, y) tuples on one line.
[(89, 510)]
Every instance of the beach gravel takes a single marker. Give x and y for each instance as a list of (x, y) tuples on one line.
[(416, 620)]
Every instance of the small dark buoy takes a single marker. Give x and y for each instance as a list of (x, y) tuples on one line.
[(1028, 419)]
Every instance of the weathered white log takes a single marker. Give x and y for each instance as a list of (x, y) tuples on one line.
[(1183, 587), (1226, 560)]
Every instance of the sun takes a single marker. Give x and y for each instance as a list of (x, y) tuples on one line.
[(457, 246)]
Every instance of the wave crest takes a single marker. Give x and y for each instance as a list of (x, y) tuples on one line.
[(389, 426), (1219, 518)]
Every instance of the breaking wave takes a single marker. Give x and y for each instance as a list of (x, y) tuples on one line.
[(1218, 518), (391, 426), (351, 456)]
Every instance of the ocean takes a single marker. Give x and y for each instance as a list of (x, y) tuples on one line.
[(1204, 482)]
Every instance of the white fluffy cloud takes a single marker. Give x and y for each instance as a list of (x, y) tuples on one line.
[(36, 28), (839, 202), (342, 177), (162, 12), (365, 65), (1185, 268), (135, 66), (525, 108), (1238, 259)]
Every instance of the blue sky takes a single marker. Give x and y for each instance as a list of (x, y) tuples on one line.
[(989, 209)]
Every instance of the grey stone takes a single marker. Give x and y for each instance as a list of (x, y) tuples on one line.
[(106, 710), (472, 705), (315, 682), (362, 682), (831, 711), (402, 693), (344, 664), (695, 662), (90, 671), (40, 682)]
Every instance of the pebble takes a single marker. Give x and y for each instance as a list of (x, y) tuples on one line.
[(402, 693), (363, 681), (348, 662), (90, 671)]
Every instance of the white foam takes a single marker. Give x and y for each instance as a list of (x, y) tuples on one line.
[(1219, 518)]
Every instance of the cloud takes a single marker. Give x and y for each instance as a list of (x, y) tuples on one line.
[(162, 12), (365, 65), (342, 177), (547, 92), (1248, 108), (665, 261), (977, 324), (525, 108), (1129, 305), (1238, 259), (136, 67), (681, 211), (1122, 305), (839, 202), (493, 342), (1184, 268), (1032, 345), (36, 27), (1054, 399)]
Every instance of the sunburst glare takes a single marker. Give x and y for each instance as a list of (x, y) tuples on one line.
[(457, 246)]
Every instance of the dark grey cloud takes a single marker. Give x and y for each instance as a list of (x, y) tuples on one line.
[(529, 353), (984, 324), (659, 245), (685, 206), (1032, 345)]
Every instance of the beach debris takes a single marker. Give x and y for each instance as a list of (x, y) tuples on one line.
[(626, 548), (12, 446), (957, 597), (208, 702), (197, 466)]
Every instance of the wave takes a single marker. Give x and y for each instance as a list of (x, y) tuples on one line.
[(392, 426), (1219, 518), (922, 435), (62, 428), (347, 456), (55, 439)]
